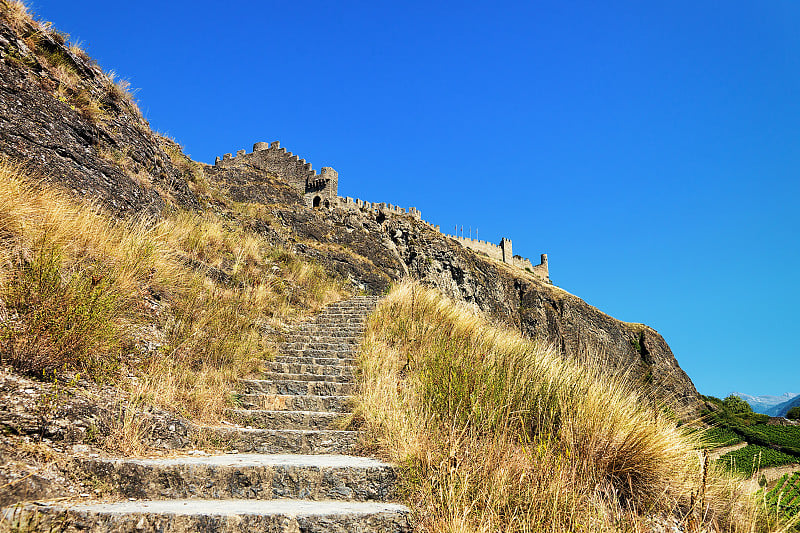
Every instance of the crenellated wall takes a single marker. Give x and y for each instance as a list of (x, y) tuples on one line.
[(503, 252), (356, 203), (320, 190)]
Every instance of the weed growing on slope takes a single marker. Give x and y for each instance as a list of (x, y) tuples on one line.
[(496, 433)]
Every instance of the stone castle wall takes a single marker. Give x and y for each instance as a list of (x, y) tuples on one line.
[(320, 190), (503, 252), (291, 168)]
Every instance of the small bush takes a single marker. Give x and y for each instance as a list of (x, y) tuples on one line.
[(63, 318)]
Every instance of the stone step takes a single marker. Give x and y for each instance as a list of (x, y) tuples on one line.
[(342, 355), (293, 402), (339, 369), (325, 333), (332, 346), (295, 348), (256, 440), (314, 352), (329, 321), (312, 388), (322, 339), (245, 476), (283, 419), (347, 362), (222, 516), (284, 376)]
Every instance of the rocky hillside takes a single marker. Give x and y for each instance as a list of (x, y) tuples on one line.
[(62, 116)]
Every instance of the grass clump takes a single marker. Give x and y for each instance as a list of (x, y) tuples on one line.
[(496, 433)]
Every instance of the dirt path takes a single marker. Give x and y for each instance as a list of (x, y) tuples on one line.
[(716, 453)]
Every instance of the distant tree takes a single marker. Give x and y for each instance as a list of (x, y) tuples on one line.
[(794, 413), (734, 404)]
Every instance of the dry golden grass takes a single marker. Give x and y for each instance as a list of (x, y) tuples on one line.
[(496, 433), (17, 13), (80, 289)]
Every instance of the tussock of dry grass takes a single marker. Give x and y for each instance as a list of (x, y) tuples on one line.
[(496, 433), (82, 291)]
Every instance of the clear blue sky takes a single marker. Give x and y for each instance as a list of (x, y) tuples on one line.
[(651, 149)]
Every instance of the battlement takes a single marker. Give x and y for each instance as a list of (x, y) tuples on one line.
[(356, 203)]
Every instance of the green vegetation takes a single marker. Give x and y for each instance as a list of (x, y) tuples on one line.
[(719, 437), (768, 445), (752, 458), (786, 436), (736, 405), (784, 498), (497, 433), (794, 413)]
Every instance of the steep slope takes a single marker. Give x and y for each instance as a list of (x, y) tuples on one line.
[(67, 120), (61, 114)]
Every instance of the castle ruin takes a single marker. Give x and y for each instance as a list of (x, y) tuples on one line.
[(320, 190)]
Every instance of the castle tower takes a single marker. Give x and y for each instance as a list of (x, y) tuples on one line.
[(505, 245)]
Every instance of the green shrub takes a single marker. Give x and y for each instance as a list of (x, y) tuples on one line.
[(734, 404), (794, 413), (61, 317)]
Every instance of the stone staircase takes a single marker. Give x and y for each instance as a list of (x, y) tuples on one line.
[(287, 468)]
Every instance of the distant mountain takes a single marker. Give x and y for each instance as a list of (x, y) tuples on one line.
[(770, 405), (782, 408)]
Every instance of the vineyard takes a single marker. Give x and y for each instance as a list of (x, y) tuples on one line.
[(718, 437), (780, 435), (785, 497), (752, 457)]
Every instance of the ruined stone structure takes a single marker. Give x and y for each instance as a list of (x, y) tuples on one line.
[(504, 252), (318, 190), (321, 191)]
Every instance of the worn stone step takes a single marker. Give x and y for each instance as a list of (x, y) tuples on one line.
[(330, 346), (320, 359), (347, 362), (256, 440), (293, 402), (333, 331), (284, 376), (313, 388), (217, 516), (306, 368), (246, 476), (322, 339), (315, 352), (283, 419)]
